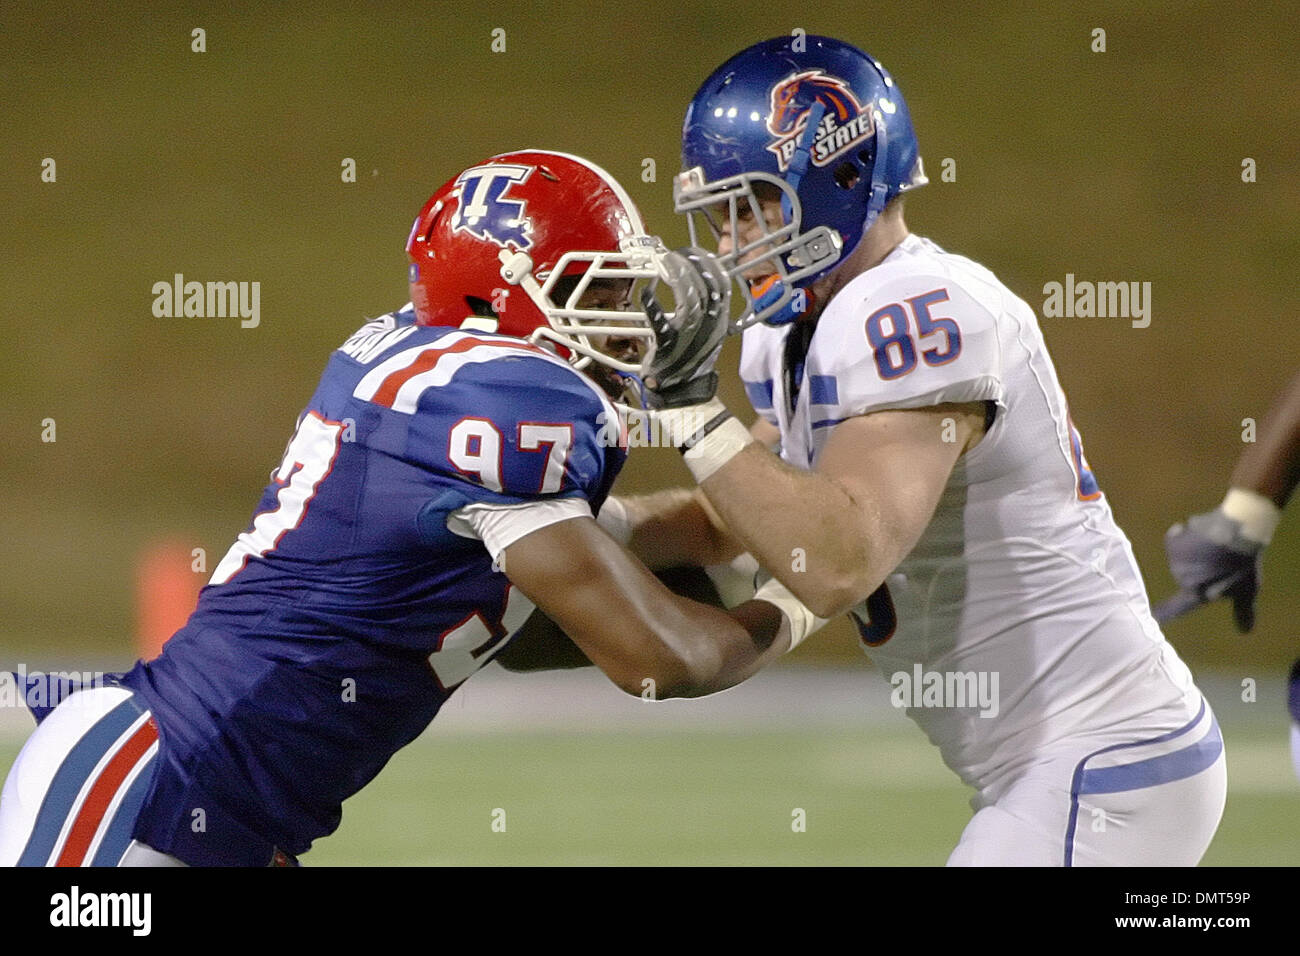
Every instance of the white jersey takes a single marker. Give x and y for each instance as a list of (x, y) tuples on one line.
[(1022, 579)]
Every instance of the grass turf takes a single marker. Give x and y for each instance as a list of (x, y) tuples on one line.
[(876, 797)]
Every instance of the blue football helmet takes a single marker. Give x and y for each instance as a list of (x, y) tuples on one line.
[(826, 126)]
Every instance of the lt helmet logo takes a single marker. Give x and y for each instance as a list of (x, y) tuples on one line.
[(844, 124), (484, 210)]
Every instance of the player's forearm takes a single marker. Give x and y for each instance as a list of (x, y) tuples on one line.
[(1271, 465), (683, 648), (642, 635), (821, 550), (726, 648)]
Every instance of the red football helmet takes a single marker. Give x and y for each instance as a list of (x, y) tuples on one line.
[(491, 249)]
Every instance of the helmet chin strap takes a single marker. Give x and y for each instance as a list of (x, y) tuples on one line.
[(802, 155), (879, 188), (798, 301), (769, 293), (876, 202), (517, 269)]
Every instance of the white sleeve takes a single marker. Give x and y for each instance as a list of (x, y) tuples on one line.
[(760, 360), (500, 526), (912, 341)]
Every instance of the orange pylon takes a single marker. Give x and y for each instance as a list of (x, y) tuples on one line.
[(167, 591)]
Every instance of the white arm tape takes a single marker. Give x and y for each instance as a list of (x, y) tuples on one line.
[(801, 621), (614, 519), (735, 580), (719, 446), (1258, 515), (500, 526)]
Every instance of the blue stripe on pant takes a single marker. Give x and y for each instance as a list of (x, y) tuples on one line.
[(1166, 768), (71, 777), (118, 835)]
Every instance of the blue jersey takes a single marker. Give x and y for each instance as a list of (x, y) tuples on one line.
[(346, 615)]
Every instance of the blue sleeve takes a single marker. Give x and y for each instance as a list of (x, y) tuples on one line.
[(520, 428)]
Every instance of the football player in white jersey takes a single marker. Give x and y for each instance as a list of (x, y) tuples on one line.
[(928, 480)]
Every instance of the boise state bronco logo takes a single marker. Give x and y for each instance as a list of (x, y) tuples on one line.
[(844, 123), (486, 212)]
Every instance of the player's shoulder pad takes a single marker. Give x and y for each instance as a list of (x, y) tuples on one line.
[(467, 392), (915, 331), (380, 334), (521, 381)]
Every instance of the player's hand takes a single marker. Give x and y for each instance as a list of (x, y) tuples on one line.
[(688, 339), (1211, 559)]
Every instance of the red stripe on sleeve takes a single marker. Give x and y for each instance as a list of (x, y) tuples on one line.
[(386, 394)]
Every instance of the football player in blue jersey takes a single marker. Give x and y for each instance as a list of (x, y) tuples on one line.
[(442, 483)]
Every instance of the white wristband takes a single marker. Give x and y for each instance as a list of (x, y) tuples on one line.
[(734, 581), (614, 519), (1258, 515), (801, 621), (727, 439)]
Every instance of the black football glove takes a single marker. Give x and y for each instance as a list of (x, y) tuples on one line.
[(689, 338), (1211, 559)]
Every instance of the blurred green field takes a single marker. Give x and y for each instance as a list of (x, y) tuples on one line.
[(881, 798)]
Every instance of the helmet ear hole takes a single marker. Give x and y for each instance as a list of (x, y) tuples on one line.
[(846, 176), (866, 157), (480, 307)]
